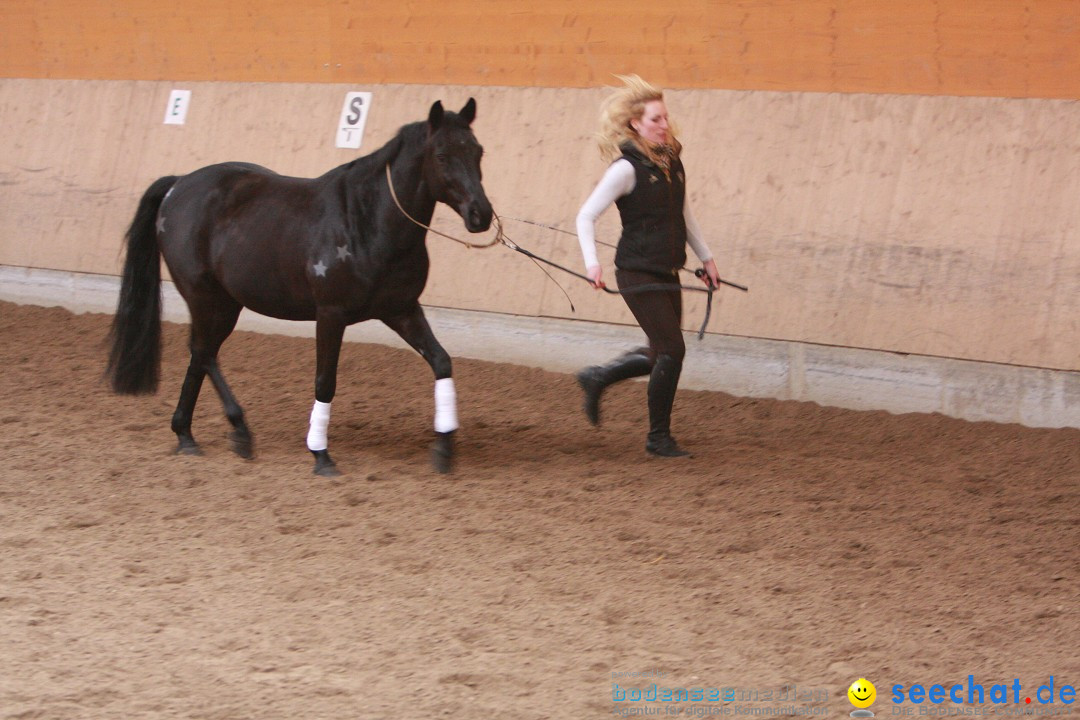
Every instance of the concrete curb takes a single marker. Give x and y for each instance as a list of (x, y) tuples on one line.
[(840, 377)]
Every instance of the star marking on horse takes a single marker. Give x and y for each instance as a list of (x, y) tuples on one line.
[(160, 224), (320, 269), (653, 179), (343, 252)]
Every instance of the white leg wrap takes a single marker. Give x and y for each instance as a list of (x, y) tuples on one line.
[(445, 406), (320, 421)]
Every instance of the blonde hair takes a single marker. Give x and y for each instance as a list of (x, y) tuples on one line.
[(619, 108)]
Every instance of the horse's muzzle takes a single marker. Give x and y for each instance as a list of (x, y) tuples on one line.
[(478, 216)]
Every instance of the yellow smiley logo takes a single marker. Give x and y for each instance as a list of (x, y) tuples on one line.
[(862, 693)]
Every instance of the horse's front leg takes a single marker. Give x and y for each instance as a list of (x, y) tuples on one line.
[(414, 329), (329, 329)]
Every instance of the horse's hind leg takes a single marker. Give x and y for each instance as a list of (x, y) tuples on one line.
[(212, 320), (414, 329), (185, 407)]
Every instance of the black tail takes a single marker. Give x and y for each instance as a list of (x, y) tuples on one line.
[(135, 358)]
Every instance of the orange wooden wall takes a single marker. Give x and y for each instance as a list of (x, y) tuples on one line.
[(1002, 48)]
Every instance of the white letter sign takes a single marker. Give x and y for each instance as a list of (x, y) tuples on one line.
[(176, 111), (353, 116)]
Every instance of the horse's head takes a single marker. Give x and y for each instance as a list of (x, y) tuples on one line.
[(452, 165)]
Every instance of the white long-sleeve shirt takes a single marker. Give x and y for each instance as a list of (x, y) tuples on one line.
[(619, 180)]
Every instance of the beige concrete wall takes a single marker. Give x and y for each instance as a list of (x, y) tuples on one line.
[(940, 226)]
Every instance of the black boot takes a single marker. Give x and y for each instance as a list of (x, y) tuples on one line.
[(662, 386), (594, 379)]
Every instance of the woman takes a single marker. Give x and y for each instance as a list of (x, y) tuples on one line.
[(647, 183)]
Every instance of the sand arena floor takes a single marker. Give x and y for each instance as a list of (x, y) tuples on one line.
[(801, 546)]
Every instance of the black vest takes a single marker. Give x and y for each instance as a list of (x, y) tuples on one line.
[(653, 227)]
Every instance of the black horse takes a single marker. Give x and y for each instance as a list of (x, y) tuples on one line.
[(337, 249)]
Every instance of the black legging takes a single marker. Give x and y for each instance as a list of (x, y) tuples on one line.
[(658, 313)]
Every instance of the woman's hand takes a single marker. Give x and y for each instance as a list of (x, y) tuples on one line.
[(595, 275), (713, 275)]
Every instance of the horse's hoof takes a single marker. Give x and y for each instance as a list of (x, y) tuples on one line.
[(442, 452), (442, 464), (242, 444), (188, 448), (324, 466)]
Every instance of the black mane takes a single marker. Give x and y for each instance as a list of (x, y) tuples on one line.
[(412, 135)]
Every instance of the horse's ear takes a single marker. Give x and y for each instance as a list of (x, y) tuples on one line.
[(434, 118), (468, 113)]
